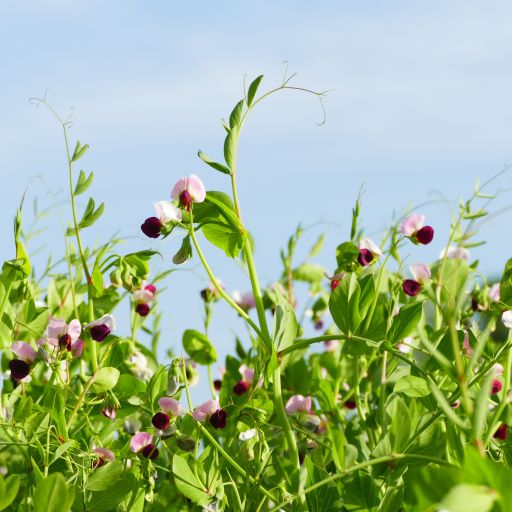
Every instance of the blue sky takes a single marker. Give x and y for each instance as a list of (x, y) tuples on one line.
[(420, 107)]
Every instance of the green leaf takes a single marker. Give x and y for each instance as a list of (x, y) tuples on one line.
[(230, 148), (253, 88), (412, 386), (285, 325), (91, 215), (346, 256), (309, 272), (53, 494), (405, 322), (344, 305), (105, 477), (9, 487), (128, 385), (83, 183), (106, 378), (188, 483), (199, 347), (110, 498), (79, 151), (225, 238), (506, 284), (236, 115), (400, 427), (469, 498), (215, 165)]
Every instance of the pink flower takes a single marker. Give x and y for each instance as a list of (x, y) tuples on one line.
[(414, 227), (411, 287), (145, 294), (24, 351), (189, 190), (167, 212), (206, 409), (497, 369), (246, 373), (170, 405), (139, 441), (496, 387), (466, 345), (506, 318), (454, 252), (298, 403), (109, 412), (104, 453), (420, 272), (245, 301), (368, 251), (65, 336), (494, 292)]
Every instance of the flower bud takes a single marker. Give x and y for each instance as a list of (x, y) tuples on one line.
[(425, 235), (109, 412), (217, 384), (496, 386), (151, 227), (350, 404), (161, 421), (173, 385), (219, 418), (240, 388)]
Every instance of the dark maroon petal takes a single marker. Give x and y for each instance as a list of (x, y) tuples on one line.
[(218, 418), (142, 309), (150, 451), (99, 332), (150, 288), (502, 432), (186, 199), (474, 304), (335, 283), (411, 287), (496, 386), (161, 421), (240, 387), (217, 384), (319, 325), (350, 404), (109, 412), (19, 369), (65, 342), (151, 227), (425, 235), (97, 463), (365, 257)]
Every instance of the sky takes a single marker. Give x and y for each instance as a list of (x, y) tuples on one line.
[(418, 109)]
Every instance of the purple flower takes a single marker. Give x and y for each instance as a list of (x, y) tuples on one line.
[(217, 384), (65, 336), (24, 351), (102, 327), (150, 451), (142, 309), (368, 251), (142, 442), (219, 419), (501, 433), (211, 410), (241, 387), (151, 227), (411, 287), (496, 386), (170, 405), (19, 369), (414, 228)]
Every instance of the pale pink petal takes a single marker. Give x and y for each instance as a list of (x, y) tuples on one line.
[(368, 243), (298, 403), (466, 346), (140, 440), (166, 211), (107, 320), (494, 292), (454, 252), (77, 348), (412, 223), (143, 296), (104, 453), (24, 351), (247, 373), (196, 188), (180, 186), (402, 347), (420, 271), (169, 405), (497, 369), (506, 318), (331, 345), (205, 410), (56, 328), (74, 329)]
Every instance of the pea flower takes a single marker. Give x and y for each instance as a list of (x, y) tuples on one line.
[(109, 412), (143, 443), (414, 228), (104, 455), (496, 387), (211, 410), (166, 212), (494, 292), (502, 432), (368, 251), (246, 301), (138, 363), (161, 421), (102, 327), (170, 405), (454, 252), (189, 190), (335, 280), (20, 368), (243, 385), (298, 403), (64, 335), (421, 274), (331, 345), (506, 318)]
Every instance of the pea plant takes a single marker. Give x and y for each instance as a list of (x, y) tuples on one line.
[(400, 402)]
